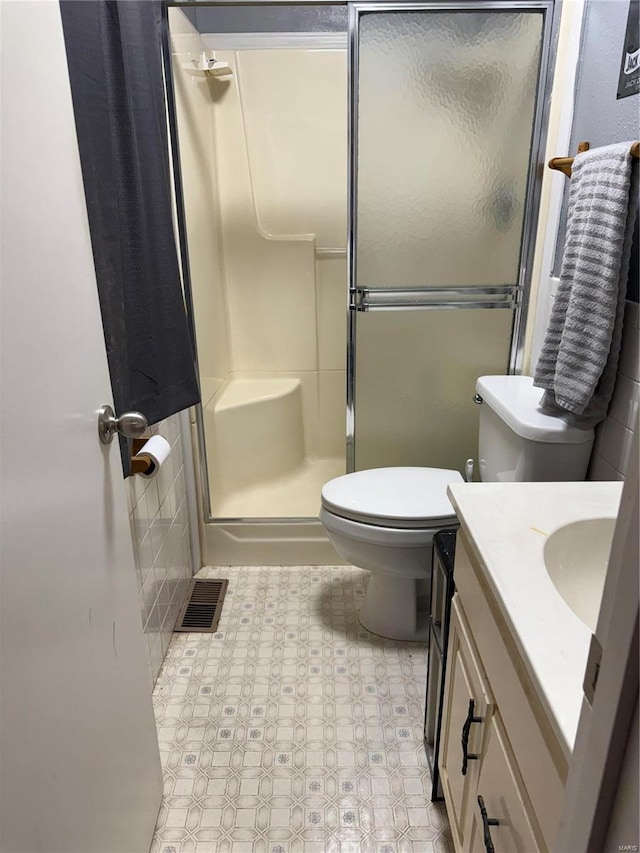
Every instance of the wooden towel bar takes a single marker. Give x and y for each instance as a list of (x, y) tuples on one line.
[(564, 164)]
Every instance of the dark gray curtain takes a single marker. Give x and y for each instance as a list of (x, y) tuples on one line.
[(115, 65)]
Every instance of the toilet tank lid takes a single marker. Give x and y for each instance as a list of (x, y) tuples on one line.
[(516, 401), (408, 496)]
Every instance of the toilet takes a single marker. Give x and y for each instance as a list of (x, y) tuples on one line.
[(384, 519)]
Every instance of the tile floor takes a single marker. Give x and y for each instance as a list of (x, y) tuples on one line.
[(292, 729)]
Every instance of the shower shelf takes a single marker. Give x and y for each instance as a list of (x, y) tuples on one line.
[(207, 66), (255, 430), (248, 391)]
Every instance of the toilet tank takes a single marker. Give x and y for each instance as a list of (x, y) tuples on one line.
[(518, 442)]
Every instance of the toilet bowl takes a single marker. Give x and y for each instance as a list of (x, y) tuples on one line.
[(384, 519)]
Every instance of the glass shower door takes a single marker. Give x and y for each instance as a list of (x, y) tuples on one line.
[(446, 119)]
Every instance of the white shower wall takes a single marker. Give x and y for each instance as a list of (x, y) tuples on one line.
[(264, 161), (281, 177), (194, 108)]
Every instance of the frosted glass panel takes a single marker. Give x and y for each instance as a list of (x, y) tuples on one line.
[(446, 102), (416, 376)]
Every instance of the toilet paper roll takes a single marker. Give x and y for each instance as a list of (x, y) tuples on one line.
[(157, 450)]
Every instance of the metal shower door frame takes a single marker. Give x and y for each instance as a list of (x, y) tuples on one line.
[(515, 296)]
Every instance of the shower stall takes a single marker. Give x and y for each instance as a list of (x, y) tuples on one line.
[(357, 199)]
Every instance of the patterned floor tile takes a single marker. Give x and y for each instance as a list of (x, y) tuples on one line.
[(292, 729)]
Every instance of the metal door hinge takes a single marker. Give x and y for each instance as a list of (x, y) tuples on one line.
[(593, 669), (356, 299)]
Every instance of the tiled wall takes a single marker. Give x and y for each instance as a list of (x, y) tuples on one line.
[(614, 436), (158, 513)]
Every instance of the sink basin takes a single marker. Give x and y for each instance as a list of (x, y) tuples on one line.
[(576, 557)]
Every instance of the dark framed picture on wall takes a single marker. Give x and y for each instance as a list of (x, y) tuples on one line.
[(629, 79)]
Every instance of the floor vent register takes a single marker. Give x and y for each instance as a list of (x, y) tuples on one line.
[(203, 606)]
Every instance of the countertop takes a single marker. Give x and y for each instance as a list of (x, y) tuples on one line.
[(508, 525)]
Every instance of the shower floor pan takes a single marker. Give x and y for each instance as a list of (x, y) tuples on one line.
[(259, 470)]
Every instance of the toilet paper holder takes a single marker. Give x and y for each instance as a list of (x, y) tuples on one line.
[(139, 464)]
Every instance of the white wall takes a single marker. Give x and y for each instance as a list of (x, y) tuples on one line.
[(558, 137)]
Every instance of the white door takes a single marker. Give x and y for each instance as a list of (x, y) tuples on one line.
[(80, 761)]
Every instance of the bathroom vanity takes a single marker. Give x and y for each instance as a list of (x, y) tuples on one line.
[(516, 658)]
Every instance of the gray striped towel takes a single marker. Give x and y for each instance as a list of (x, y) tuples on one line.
[(579, 358)]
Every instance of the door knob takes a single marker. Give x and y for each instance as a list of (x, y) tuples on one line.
[(131, 424)]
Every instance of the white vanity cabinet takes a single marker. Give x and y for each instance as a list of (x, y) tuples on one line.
[(507, 821), (491, 713), (467, 708)]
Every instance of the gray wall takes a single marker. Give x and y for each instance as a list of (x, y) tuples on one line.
[(599, 118)]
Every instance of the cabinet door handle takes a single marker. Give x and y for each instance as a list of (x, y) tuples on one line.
[(466, 728), (486, 823)]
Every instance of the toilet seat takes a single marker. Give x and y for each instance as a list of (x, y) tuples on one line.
[(379, 535), (401, 498)]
